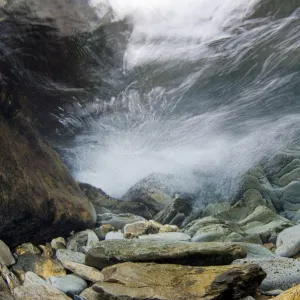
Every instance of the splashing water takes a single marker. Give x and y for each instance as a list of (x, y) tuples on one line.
[(208, 89)]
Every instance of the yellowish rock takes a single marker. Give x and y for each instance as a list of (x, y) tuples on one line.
[(83, 271), (291, 294), (177, 282), (59, 243), (40, 265), (27, 248), (169, 228)]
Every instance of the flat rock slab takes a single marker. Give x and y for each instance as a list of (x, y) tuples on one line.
[(176, 282), (170, 236), (38, 292), (282, 273), (107, 253)]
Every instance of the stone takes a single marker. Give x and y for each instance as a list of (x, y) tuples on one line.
[(106, 204), (70, 284), (59, 243), (32, 278), (136, 229), (282, 273), (288, 242), (5, 255), (291, 294), (167, 236), (40, 265), (85, 272), (273, 293), (47, 250), (64, 254), (90, 294), (107, 253), (175, 212), (27, 248), (118, 221), (82, 241), (38, 292), (9, 280), (176, 282), (37, 189), (114, 236), (154, 199), (103, 230), (257, 251), (168, 228)]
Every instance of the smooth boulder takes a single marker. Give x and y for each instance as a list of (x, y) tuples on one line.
[(288, 242), (107, 253), (176, 282)]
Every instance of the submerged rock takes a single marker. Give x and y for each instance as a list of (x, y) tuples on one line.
[(59, 243), (27, 248), (5, 255), (37, 190), (107, 253), (291, 294), (288, 242), (175, 282), (282, 273), (82, 241), (64, 254), (167, 236), (70, 284), (114, 236)]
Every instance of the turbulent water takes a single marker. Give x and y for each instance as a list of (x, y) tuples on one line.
[(201, 89)]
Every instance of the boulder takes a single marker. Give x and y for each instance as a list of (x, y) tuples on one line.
[(106, 204), (176, 282), (114, 236), (107, 253), (103, 230), (288, 242), (59, 243), (39, 198), (32, 278), (90, 294), (168, 228), (118, 222), (282, 273), (85, 272), (5, 293), (142, 227), (70, 284), (167, 236), (82, 241), (37, 292), (5, 255), (8, 280), (40, 265), (64, 254)]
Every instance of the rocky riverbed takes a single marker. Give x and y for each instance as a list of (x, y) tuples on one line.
[(246, 249)]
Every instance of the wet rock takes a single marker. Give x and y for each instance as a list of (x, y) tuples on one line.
[(108, 253), (70, 284), (32, 278), (38, 292), (103, 230), (282, 273), (9, 280), (90, 294), (27, 248), (168, 236), (291, 294), (257, 251), (288, 242), (172, 282), (64, 254), (154, 199), (273, 293), (106, 204), (85, 272), (142, 227), (36, 188), (168, 228), (40, 265), (114, 236), (5, 293), (47, 250), (82, 241), (59, 243), (175, 212), (118, 221), (5, 255)]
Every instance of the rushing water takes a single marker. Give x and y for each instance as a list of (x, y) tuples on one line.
[(200, 89)]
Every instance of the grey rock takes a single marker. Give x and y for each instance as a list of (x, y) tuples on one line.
[(257, 251), (114, 236), (64, 254), (118, 221), (273, 293), (5, 255), (32, 278), (107, 253), (282, 273), (167, 236), (82, 241), (69, 284), (288, 242), (58, 243)]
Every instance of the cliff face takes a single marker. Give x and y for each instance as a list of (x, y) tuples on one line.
[(38, 197)]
